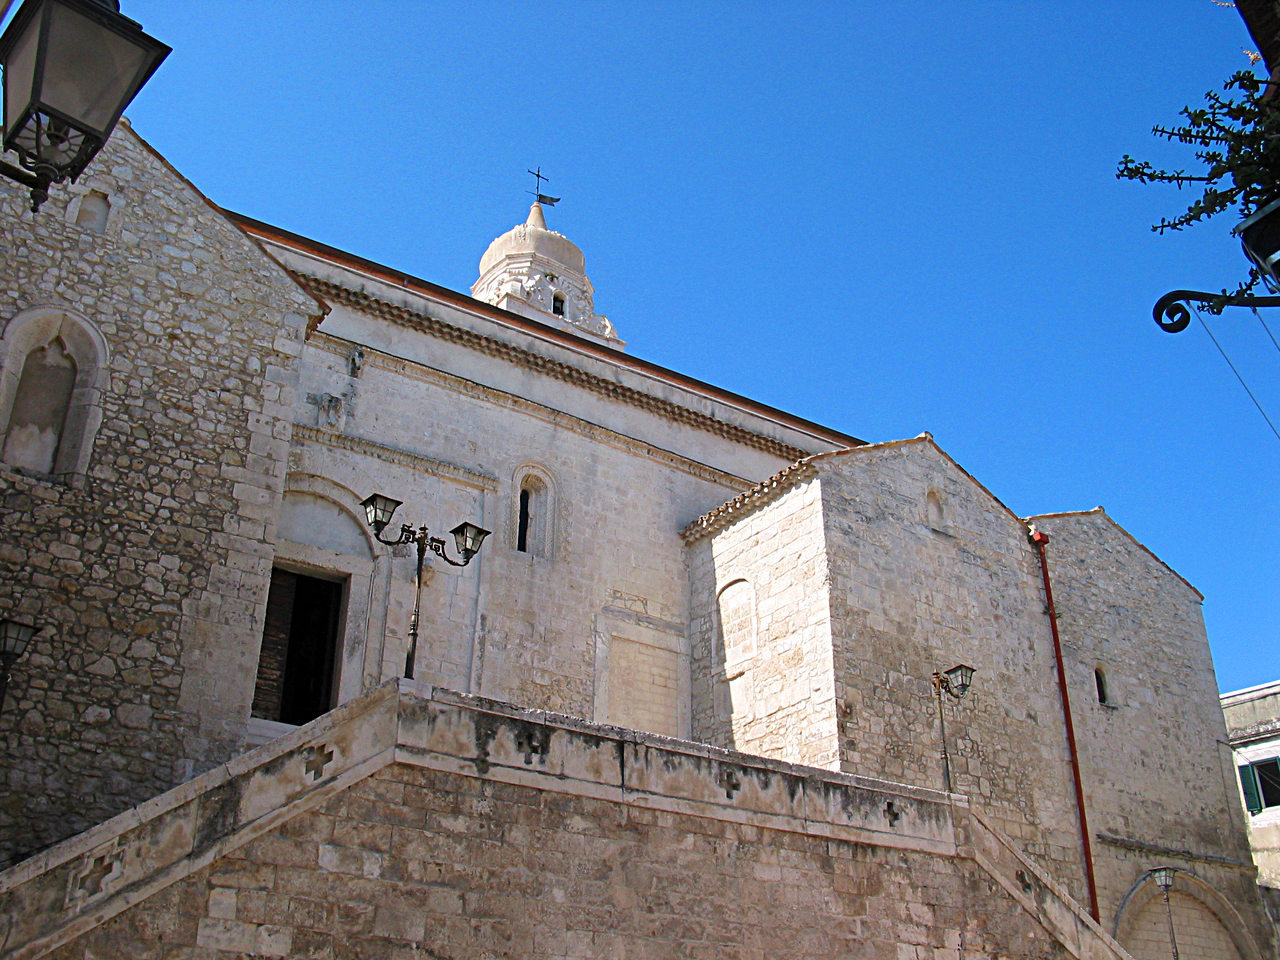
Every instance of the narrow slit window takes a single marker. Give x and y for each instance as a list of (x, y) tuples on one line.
[(557, 305), (1100, 681), (522, 531)]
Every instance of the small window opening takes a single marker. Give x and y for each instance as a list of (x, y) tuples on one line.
[(1261, 784), (299, 648), (557, 305), (1100, 681), (526, 515), (94, 208)]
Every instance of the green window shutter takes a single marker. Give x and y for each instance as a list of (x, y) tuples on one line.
[(1249, 782)]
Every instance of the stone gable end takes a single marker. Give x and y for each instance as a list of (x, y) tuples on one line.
[(145, 562)]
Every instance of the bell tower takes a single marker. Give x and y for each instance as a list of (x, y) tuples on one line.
[(541, 274)]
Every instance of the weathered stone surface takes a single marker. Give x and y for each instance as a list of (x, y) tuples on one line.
[(135, 565), (424, 850)]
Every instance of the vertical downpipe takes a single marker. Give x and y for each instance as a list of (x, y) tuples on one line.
[(1039, 539)]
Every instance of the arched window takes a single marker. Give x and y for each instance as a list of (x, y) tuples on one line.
[(1100, 682), (533, 513), (52, 375)]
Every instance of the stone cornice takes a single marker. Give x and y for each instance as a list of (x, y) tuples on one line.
[(339, 347), (546, 366), (763, 492), (371, 448), (1142, 846)]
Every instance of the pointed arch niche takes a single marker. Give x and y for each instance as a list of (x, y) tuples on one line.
[(53, 375)]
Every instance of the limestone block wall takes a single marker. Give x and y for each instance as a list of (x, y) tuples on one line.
[(1160, 784), (927, 571), (144, 561), (589, 620), (418, 822), (763, 679)]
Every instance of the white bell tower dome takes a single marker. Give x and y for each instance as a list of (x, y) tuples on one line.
[(540, 274)]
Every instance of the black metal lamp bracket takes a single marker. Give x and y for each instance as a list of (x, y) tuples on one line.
[(1172, 314), (38, 182)]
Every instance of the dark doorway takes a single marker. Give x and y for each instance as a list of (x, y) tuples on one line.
[(299, 646)]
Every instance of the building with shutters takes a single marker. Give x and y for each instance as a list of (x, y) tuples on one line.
[(1253, 727), (683, 701)]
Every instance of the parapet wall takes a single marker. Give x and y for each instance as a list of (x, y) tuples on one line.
[(414, 818)]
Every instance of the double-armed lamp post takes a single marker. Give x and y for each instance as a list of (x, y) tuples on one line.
[(70, 69), (467, 537)]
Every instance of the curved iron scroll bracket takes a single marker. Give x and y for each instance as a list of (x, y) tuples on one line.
[(1173, 316)]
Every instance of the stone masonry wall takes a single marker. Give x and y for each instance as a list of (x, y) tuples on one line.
[(535, 628), (419, 863), (1160, 784), (912, 593), (145, 573), (769, 690)]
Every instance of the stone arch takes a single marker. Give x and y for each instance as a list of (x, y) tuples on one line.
[(1194, 899), (70, 342), (534, 505)]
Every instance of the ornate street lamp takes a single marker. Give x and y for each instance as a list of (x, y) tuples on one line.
[(467, 538), (1163, 876), (955, 683), (14, 637), (70, 69)]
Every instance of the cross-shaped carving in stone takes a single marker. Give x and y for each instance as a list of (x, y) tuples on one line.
[(320, 758), (730, 781), (891, 813), (101, 868)]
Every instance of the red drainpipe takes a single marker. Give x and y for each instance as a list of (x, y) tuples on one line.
[(1039, 539)]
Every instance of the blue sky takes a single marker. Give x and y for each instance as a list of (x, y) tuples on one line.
[(886, 217)]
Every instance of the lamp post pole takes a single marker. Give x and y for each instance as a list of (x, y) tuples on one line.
[(942, 726), (955, 683), (421, 539), (467, 537), (1164, 877)]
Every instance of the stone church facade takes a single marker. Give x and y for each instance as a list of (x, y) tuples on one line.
[(680, 704)]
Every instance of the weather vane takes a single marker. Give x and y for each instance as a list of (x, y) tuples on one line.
[(542, 197)]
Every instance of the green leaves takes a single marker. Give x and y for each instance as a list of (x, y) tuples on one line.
[(1240, 134)]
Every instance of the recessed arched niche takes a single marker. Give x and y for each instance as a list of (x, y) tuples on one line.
[(320, 522), (53, 374)]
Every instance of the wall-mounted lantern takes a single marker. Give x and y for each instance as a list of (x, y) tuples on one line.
[(14, 637), (1163, 876), (955, 683), (70, 69)]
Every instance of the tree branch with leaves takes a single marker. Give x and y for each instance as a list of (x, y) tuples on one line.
[(1237, 134)]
